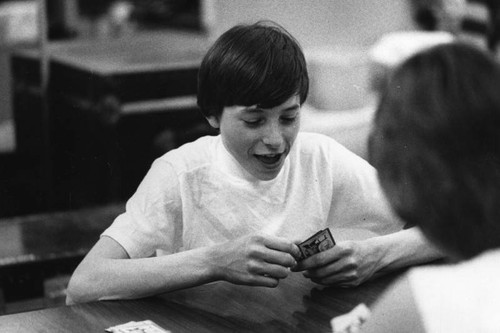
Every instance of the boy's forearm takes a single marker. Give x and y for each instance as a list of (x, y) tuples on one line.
[(167, 273), (402, 249), (134, 278)]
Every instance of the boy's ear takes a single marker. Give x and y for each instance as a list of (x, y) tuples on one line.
[(213, 121)]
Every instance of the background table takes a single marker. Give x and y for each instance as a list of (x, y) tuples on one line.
[(296, 305)]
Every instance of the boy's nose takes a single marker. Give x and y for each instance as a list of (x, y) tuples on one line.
[(273, 137)]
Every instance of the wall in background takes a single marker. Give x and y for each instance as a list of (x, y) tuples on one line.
[(335, 35), (315, 23)]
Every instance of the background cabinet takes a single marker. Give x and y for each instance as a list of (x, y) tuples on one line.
[(113, 110)]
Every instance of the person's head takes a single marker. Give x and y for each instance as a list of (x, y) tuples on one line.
[(251, 85), (443, 15), (436, 146)]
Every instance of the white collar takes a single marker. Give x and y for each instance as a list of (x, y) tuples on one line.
[(229, 165)]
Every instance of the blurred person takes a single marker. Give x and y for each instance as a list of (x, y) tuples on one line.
[(435, 144), (439, 15)]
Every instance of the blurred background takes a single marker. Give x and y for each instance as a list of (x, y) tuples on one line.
[(92, 91)]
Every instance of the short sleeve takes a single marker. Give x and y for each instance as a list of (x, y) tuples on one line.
[(358, 202), (153, 217)]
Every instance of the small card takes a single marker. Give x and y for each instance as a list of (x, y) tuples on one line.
[(145, 326), (319, 242)]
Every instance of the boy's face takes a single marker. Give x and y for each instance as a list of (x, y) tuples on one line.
[(260, 139)]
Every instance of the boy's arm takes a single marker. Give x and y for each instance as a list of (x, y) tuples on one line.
[(351, 263), (405, 248), (107, 272)]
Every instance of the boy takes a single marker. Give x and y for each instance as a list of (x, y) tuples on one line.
[(232, 207)]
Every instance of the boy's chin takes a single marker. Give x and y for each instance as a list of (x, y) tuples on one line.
[(266, 175)]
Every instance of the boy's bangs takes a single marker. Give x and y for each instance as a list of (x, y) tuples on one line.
[(272, 77), (260, 64), (277, 85)]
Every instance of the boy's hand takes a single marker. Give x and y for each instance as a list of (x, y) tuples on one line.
[(257, 260), (347, 264)]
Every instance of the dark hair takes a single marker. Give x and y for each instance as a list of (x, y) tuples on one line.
[(436, 146), (258, 64), (426, 19)]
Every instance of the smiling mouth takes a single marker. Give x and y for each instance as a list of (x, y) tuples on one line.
[(269, 159)]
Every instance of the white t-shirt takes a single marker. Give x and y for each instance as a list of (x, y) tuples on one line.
[(459, 298), (199, 195)]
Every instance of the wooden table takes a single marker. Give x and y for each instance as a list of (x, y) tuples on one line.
[(296, 305)]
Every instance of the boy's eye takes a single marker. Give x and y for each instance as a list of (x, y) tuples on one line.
[(289, 119), (252, 122)]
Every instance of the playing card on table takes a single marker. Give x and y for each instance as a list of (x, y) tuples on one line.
[(319, 242), (145, 326)]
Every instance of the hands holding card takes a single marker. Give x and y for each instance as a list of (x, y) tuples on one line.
[(319, 242), (262, 260), (345, 264), (257, 260)]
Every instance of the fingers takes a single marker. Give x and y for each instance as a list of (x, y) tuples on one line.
[(279, 258), (282, 245), (345, 272), (258, 260), (264, 260), (347, 280), (263, 268), (322, 258), (263, 281), (261, 273), (342, 265), (274, 250)]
